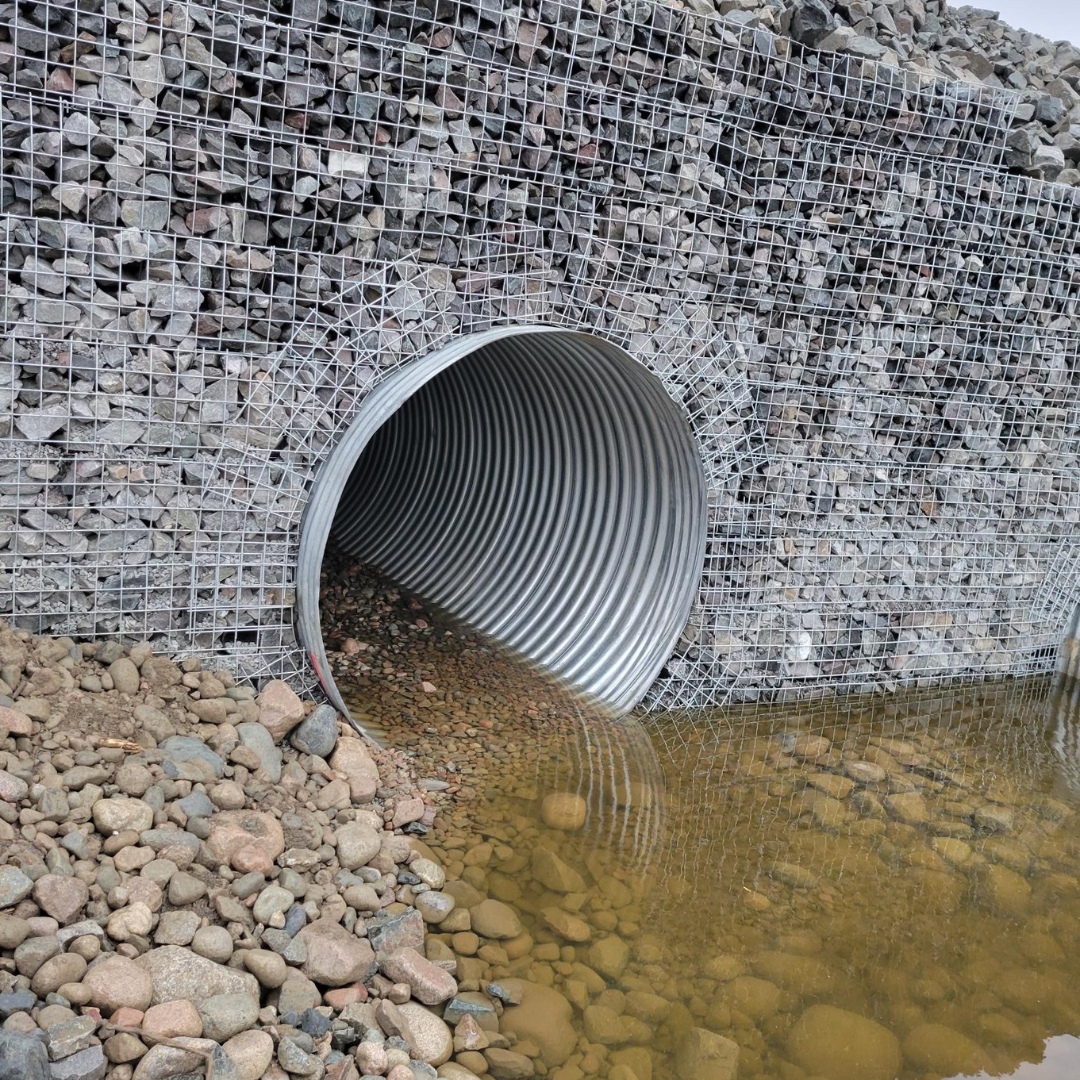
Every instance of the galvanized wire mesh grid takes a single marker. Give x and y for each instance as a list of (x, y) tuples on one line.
[(751, 766), (223, 225)]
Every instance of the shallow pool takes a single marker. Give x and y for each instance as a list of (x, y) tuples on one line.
[(856, 889)]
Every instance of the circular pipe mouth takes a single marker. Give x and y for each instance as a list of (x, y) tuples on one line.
[(537, 484)]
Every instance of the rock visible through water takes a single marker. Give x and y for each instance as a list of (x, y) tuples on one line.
[(842, 1045)]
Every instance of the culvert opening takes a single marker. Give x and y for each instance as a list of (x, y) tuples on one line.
[(538, 485)]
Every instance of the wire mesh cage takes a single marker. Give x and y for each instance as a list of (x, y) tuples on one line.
[(224, 225)]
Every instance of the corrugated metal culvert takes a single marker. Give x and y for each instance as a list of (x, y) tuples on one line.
[(538, 484)]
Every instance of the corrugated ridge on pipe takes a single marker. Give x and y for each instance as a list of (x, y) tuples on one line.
[(539, 485)]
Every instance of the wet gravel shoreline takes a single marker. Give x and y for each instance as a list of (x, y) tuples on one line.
[(203, 880)]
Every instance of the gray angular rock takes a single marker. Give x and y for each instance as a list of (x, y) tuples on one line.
[(18, 1001), (291, 949), (54, 805), (79, 129), (389, 933), (69, 1038), (176, 928), (88, 1064), (811, 22), (148, 76), (37, 425), (296, 1061), (14, 886), (318, 734), (476, 1005), (23, 1057), (182, 752), (108, 652), (1049, 110), (197, 804)]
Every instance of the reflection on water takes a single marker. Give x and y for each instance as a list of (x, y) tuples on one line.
[(1060, 1061), (856, 889), (910, 860), (1064, 722)]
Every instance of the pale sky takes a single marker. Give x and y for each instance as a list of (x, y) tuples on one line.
[(1053, 19)]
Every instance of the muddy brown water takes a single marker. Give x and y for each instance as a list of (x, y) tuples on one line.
[(854, 889)]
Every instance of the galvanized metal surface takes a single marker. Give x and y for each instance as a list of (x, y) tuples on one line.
[(539, 485)]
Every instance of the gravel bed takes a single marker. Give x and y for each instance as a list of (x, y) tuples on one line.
[(199, 877)]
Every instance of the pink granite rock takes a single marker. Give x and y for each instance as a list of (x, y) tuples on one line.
[(407, 810), (280, 709), (353, 761), (245, 840), (118, 982), (172, 1018), (334, 956), (61, 897), (428, 982), (15, 722)]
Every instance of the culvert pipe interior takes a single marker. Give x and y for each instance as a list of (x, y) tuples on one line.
[(542, 487)]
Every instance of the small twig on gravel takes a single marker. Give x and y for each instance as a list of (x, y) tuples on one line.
[(126, 745)]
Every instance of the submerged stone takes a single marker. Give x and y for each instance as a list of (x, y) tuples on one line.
[(544, 1018), (944, 1050), (841, 1045), (704, 1055), (1005, 890)]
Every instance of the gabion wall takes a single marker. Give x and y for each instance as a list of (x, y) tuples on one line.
[(224, 225)]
